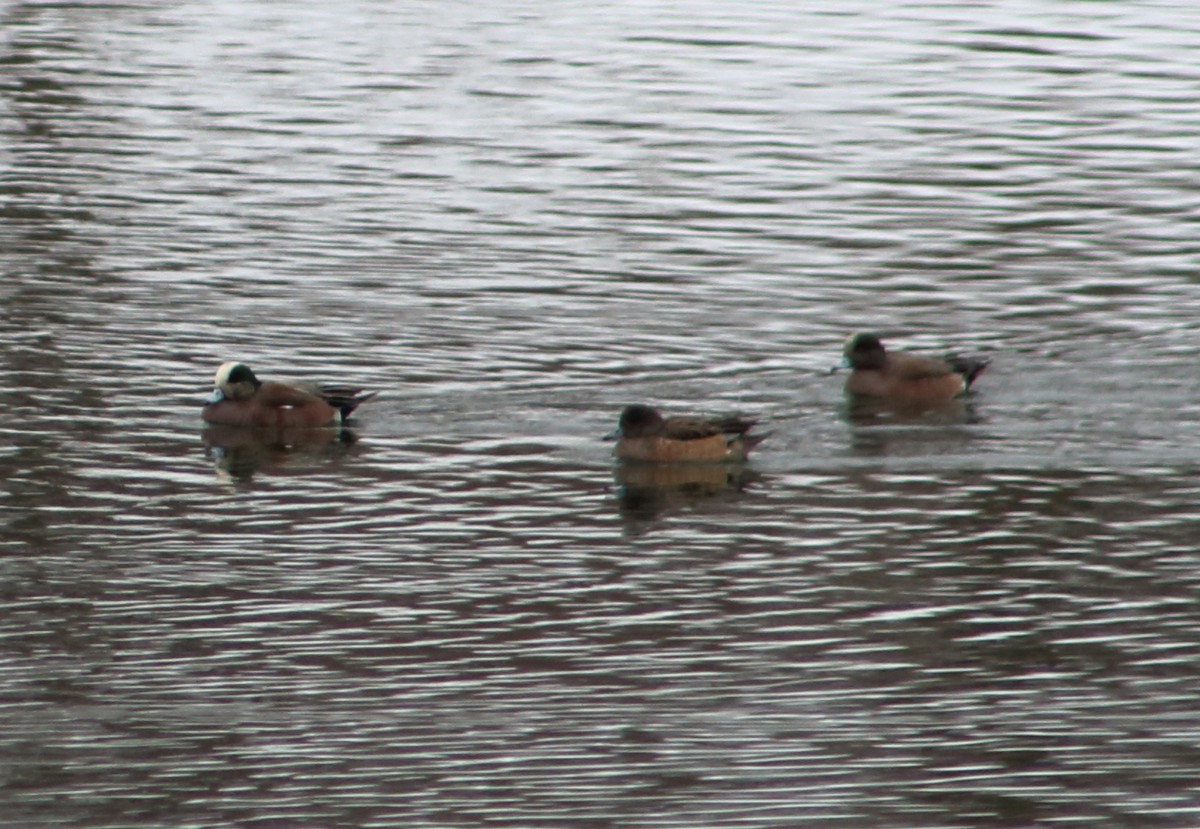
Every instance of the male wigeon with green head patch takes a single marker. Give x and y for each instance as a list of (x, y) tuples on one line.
[(241, 399)]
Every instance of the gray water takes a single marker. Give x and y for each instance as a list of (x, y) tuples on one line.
[(513, 218)]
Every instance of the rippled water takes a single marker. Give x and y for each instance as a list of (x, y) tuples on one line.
[(512, 219)]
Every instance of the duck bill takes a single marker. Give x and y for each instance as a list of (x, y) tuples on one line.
[(845, 363)]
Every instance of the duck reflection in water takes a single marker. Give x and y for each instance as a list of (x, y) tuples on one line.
[(668, 463), (238, 452), (873, 411), (649, 490)]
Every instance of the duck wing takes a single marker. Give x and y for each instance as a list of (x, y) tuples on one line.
[(910, 366), (685, 427)]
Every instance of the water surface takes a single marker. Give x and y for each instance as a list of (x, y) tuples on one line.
[(513, 219)]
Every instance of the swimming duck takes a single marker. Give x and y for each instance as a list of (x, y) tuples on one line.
[(903, 377), (241, 399), (643, 434)]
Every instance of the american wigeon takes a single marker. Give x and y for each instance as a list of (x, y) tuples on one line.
[(902, 377), (643, 434), (241, 399)]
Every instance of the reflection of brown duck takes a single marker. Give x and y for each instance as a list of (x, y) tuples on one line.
[(876, 410), (904, 378), (241, 399), (651, 489), (240, 451), (643, 434)]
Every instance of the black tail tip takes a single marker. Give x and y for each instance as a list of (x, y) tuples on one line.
[(969, 367), (345, 400)]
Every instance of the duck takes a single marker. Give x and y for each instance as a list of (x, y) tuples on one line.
[(644, 434), (904, 377), (241, 399)]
